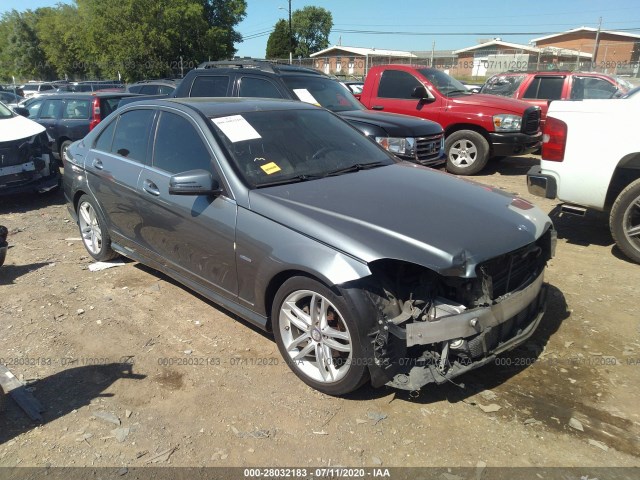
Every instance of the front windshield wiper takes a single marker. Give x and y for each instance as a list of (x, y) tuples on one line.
[(355, 168), (456, 91), (295, 179)]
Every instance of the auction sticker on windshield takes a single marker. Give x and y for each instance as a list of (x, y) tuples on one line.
[(236, 128)]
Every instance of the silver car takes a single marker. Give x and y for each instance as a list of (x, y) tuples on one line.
[(364, 267)]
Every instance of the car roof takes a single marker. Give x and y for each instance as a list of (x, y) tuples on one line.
[(213, 107), (85, 95), (264, 66), (554, 73)]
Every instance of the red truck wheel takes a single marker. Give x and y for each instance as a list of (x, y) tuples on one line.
[(467, 152)]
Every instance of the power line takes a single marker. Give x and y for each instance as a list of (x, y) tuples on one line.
[(456, 34)]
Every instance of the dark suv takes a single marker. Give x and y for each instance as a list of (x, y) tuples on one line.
[(70, 116), (409, 138)]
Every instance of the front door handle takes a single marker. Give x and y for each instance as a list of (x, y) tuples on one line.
[(97, 164), (377, 107), (151, 188)]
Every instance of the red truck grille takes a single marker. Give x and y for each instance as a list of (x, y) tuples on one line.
[(531, 120)]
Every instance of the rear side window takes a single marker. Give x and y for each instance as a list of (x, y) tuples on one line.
[(132, 135), (50, 108), (397, 84), (258, 87), (106, 138), (210, 86), (178, 146), (591, 88), (76, 109), (135, 88), (545, 88)]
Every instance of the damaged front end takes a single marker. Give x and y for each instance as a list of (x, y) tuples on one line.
[(26, 165), (432, 328)]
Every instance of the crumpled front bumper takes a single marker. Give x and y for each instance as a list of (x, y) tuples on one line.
[(480, 334), (36, 175)]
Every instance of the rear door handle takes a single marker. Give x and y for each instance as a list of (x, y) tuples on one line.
[(151, 188), (377, 107), (97, 164)]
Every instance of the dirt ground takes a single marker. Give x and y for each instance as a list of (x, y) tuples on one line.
[(132, 369)]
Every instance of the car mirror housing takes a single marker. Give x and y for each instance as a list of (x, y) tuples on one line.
[(22, 111), (421, 93), (194, 182)]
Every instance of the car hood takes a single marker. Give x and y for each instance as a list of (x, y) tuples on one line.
[(18, 127), (406, 212), (496, 102), (395, 125)]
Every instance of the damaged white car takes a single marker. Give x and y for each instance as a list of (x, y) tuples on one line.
[(26, 163)]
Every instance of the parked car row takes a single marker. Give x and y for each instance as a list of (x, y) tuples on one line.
[(317, 224)]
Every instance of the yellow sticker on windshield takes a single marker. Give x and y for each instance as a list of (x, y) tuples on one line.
[(270, 168)]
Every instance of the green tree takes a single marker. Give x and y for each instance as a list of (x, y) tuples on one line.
[(62, 38), (311, 27), (22, 52), (147, 38), (278, 43)]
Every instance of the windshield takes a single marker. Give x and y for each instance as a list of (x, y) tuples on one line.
[(447, 85), (286, 146), (325, 92), (5, 112), (503, 85)]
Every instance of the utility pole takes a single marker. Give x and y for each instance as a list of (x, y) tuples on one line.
[(433, 51), (596, 45), (290, 37)]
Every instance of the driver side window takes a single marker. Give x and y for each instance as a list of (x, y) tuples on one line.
[(397, 84), (178, 146)]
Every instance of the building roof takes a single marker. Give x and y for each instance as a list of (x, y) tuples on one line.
[(371, 52), (563, 52), (497, 43), (587, 29)]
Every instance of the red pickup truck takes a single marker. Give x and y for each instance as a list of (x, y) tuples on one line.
[(477, 126)]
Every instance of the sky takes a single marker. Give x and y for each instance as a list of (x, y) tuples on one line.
[(414, 25)]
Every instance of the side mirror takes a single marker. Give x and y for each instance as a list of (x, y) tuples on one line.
[(194, 182), (21, 111), (421, 93)]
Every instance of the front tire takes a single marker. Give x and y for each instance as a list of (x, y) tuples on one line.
[(93, 230), (467, 152), (318, 332), (624, 221)]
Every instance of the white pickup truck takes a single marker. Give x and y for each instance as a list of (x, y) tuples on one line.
[(591, 160)]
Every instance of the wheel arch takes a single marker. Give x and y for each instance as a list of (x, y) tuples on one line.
[(626, 172), (456, 127)]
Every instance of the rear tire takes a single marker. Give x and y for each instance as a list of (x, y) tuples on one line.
[(93, 230), (63, 149), (624, 221), (317, 333), (467, 152)]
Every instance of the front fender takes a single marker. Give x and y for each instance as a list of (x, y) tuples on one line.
[(265, 249)]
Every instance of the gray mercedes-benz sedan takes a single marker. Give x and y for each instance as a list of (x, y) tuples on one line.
[(364, 267)]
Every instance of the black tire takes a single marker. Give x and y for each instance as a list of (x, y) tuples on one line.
[(624, 221), (63, 148), (467, 152), (344, 372), (93, 231), (2, 400)]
